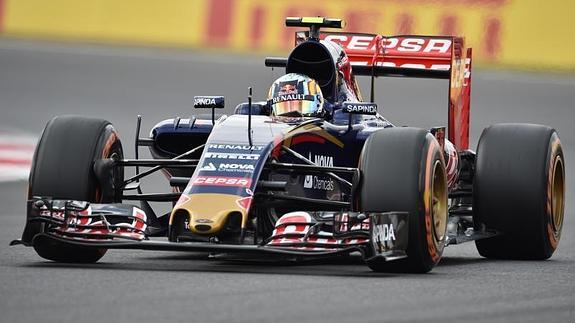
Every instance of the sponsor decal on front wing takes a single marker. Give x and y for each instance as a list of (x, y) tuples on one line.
[(389, 231), (383, 232)]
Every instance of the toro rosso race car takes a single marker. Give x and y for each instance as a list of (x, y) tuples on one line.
[(314, 171)]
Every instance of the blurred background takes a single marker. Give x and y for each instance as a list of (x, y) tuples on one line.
[(519, 34)]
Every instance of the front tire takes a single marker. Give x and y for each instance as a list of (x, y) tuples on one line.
[(519, 190), (403, 170), (62, 168)]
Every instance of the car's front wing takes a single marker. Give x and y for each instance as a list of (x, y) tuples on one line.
[(67, 222)]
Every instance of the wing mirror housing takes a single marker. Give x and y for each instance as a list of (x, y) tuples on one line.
[(209, 102)]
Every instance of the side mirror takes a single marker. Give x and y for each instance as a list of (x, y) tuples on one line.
[(360, 108), (209, 102)]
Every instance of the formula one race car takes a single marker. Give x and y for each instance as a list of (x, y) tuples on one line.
[(312, 172)]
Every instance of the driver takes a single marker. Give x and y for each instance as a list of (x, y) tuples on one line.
[(295, 95), (298, 95)]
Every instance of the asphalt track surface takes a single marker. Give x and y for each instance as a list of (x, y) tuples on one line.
[(41, 80)]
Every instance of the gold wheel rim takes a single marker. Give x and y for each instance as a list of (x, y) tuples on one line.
[(558, 194), (439, 202)]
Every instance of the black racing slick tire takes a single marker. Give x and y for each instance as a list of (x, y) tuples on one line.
[(519, 191), (62, 168), (403, 170)]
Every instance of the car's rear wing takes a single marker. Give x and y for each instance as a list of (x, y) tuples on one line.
[(411, 56)]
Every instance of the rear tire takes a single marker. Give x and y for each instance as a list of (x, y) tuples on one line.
[(403, 170), (519, 190), (62, 168)]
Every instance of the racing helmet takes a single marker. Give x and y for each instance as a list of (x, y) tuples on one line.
[(295, 95)]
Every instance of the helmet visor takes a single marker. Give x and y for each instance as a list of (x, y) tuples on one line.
[(291, 104)]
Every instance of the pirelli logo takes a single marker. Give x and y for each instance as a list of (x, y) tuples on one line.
[(232, 156)]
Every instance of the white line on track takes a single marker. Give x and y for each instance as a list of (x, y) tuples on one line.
[(16, 152)]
